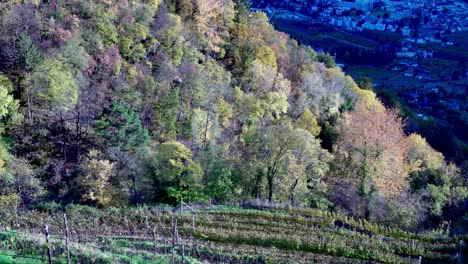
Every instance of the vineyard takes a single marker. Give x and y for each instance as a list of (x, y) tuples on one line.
[(213, 234)]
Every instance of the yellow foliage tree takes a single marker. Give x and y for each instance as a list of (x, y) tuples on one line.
[(308, 122), (267, 56), (212, 18), (422, 155), (92, 185)]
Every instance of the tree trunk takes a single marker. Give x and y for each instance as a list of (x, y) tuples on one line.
[(136, 199), (367, 211), (205, 136), (30, 116), (270, 184), (256, 185), (293, 196)]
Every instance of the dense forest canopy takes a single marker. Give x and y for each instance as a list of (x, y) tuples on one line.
[(119, 103)]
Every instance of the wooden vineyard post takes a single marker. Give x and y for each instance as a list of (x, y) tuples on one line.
[(67, 237), (193, 227), (155, 242), (183, 253), (181, 206), (49, 253), (174, 234), (460, 253), (193, 234), (153, 234)]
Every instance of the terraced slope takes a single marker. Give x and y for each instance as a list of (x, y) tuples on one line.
[(219, 235)]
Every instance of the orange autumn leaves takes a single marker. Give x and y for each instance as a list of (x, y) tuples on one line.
[(376, 135)]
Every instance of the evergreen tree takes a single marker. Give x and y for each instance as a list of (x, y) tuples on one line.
[(120, 126)]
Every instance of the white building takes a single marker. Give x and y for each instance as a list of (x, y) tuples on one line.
[(364, 5)]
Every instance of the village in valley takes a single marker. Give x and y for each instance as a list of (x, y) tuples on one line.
[(423, 24), (420, 22), (420, 46)]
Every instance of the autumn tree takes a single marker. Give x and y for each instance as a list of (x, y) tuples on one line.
[(372, 153), (308, 122), (184, 8), (18, 183), (212, 18), (365, 83), (106, 30), (249, 42), (264, 108), (133, 102), (205, 127), (92, 184), (168, 29)]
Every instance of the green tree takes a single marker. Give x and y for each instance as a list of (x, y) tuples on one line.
[(53, 83), (220, 184), (120, 126), (8, 105), (166, 114), (327, 59), (102, 22), (74, 54), (276, 153), (365, 83), (219, 173), (29, 56), (367, 190), (302, 175), (174, 174)]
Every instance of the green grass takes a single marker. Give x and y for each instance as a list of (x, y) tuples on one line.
[(9, 257), (353, 39), (332, 39)]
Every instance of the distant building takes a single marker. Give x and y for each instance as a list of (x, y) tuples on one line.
[(364, 5)]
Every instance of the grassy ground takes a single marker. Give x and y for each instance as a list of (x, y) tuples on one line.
[(331, 39), (222, 235), (383, 77)]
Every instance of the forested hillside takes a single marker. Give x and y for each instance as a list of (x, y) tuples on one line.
[(121, 103)]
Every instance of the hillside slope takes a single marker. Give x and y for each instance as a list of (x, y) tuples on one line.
[(116, 104)]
